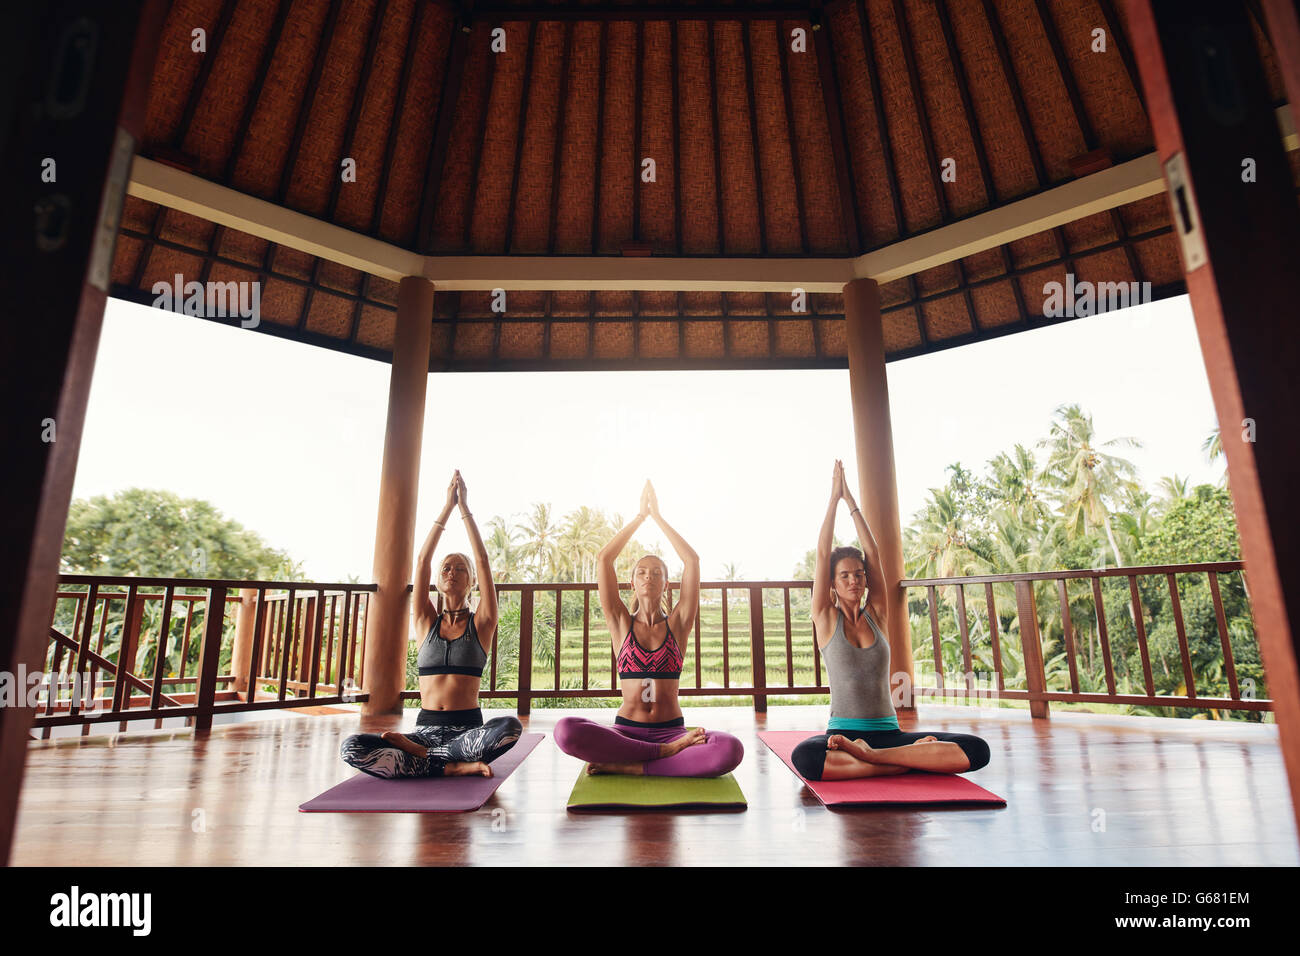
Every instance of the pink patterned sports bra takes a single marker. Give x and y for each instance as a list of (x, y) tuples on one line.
[(663, 663)]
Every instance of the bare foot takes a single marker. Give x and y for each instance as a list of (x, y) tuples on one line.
[(693, 736), (925, 740), (467, 769), (628, 768), (856, 748), (403, 742)]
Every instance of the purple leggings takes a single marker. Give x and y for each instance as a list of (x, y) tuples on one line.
[(632, 742)]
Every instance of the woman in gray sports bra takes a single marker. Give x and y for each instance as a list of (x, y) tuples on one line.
[(450, 738), (862, 737)]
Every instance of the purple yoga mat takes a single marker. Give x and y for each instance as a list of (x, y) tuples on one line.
[(367, 794)]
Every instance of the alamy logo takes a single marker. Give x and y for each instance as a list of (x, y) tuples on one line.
[(1079, 299), (102, 909), (212, 299)]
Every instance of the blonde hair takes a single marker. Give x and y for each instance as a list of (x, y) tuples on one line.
[(665, 604)]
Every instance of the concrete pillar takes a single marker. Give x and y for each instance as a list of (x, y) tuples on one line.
[(874, 442), (387, 627)]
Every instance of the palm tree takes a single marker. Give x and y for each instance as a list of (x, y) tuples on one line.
[(1136, 518), (939, 542), (1172, 491), (503, 551), (1088, 480), (1015, 478), (1213, 445), (584, 532), (1213, 448), (541, 542)]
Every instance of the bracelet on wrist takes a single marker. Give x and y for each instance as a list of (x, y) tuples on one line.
[(467, 514)]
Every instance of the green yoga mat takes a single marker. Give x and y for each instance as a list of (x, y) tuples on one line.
[(617, 791)]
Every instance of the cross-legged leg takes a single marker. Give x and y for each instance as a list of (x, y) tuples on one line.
[(853, 755), (480, 745), (380, 757), (718, 754), (621, 749), (458, 751)]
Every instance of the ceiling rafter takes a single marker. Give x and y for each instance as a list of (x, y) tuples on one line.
[(637, 69), (1022, 112), (750, 97), (255, 91), (678, 165), (717, 142), (850, 221), (348, 143), (886, 140), (557, 153), (205, 69), (600, 136), (475, 165), (783, 53), (1048, 23), (453, 78), (1116, 32), (525, 102)]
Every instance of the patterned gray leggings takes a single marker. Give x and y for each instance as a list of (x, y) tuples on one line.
[(457, 736)]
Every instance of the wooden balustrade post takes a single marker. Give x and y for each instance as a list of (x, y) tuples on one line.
[(209, 657), (1032, 648), (758, 653), (133, 615), (310, 637), (241, 664), (525, 652)]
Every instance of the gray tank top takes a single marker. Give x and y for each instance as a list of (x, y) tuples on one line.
[(859, 676)]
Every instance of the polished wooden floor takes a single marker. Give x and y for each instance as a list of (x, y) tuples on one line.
[(1081, 790)]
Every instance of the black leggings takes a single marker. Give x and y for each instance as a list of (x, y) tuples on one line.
[(451, 736), (809, 757)]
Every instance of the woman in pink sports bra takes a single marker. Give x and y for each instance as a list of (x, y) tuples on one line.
[(649, 735)]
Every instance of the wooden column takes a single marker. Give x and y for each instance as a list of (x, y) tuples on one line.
[(874, 441), (240, 662), (1210, 111), (387, 626), (74, 80), (1283, 21)]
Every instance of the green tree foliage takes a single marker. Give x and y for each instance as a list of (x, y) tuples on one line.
[(155, 533), (1083, 508)]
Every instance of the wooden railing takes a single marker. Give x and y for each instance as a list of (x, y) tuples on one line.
[(301, 638), (733, 665), (302, 643), (762, 645), (1030, 593)]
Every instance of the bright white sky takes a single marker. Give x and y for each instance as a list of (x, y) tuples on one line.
[(741, 460)]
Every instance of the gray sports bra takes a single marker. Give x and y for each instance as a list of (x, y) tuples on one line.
[(859, 676), (464, 655)]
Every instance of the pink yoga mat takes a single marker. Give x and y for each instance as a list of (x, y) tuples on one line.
[(904, 788), (367, 794)]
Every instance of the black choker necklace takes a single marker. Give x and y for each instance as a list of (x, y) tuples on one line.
[(455, 612)]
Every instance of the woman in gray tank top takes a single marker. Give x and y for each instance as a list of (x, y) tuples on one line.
[(862, 738)]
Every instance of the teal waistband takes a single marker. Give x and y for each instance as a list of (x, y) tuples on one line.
[(863, 723)]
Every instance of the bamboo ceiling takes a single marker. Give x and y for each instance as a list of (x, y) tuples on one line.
[(759, 151)]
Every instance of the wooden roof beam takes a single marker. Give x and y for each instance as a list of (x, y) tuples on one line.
[(1098, 192)]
